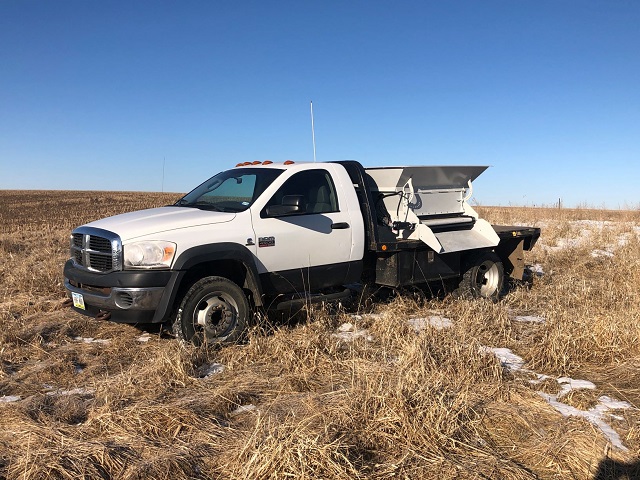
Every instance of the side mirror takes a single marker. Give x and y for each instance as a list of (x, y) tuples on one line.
[(291, 205)]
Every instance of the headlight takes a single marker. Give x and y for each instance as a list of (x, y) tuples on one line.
[(149, 254)]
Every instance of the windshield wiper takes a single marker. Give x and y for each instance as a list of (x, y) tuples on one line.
[(201, 205), (206, 206)]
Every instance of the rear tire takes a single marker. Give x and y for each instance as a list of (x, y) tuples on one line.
[(483, 277), (214, 310)]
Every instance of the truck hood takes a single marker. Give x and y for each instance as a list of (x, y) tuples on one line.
[(158, 220)]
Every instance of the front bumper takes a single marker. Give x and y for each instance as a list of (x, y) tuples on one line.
[(127, 296)]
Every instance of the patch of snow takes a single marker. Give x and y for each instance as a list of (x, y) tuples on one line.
[(562, 243), (418, 324), (600, 224), (540, 377), (529, 319), (209, 370), (563, 408), (601, 253), (243, 409), (568, 384), (373, 316), (508, 359), (10, 398), (596, 415), (536, 269), (612, 404), (591, 227), (623, 240), (347, 332), (101, 341), (577, 239), (439, 323), (73, 391)]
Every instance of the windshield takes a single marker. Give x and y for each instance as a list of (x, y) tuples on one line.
[(230, 191)]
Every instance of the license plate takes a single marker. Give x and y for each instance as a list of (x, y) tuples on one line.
[(78, 301)]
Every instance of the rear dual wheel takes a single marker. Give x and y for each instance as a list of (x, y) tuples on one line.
[(483, 277), (214, 310)]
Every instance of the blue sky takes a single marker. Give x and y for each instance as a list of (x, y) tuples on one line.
[(95, 94)]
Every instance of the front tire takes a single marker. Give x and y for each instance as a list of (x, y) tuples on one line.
[(214, 310), (483, 277)]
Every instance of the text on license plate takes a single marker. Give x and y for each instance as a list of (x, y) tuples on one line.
[(78, 301)]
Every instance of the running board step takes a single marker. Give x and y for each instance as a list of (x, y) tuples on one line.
[(300, 302)]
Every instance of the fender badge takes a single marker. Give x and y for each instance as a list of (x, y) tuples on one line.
[(266, 242)]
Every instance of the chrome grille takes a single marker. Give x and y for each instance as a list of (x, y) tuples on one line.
[(96, 249), (76, 239), (102, 263), (99, 244)]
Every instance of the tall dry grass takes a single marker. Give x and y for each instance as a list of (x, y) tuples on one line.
[(99, 400)]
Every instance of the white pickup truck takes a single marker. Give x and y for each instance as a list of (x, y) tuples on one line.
[(275, 235)]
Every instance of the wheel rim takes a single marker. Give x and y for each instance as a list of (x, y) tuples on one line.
[(488, 279), (214, 315)]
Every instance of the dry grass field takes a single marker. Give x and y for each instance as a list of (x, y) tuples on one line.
[(542, 384)]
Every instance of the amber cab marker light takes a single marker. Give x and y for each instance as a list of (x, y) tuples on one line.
[(256, 162), (239, 164), (267, 162), (384, 247), (289, 162)]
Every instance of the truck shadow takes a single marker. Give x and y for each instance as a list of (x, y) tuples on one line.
[(527, 281), (610, 469), (161, 330)]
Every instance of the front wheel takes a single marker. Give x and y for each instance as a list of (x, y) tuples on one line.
[(214, 310), (483, 277)]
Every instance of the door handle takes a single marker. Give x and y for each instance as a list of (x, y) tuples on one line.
[(339, 226)]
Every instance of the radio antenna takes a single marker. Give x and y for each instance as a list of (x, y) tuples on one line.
[(163, 160), (313, 133)]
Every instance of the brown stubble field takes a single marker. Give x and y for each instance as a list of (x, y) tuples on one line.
[(383, 397)]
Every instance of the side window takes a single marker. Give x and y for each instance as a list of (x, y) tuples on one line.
[(316, 189)]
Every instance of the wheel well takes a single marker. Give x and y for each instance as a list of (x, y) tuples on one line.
[(471, 258), (231, 269)]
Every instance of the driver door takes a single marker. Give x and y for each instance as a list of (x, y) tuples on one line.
[(304, 241)]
